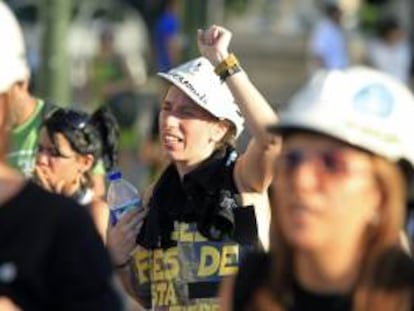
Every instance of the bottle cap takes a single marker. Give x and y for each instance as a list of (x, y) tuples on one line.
[(115, 175)]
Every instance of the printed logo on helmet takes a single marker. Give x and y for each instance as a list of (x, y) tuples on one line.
[(189, 86), (375, 100), (194, 67)]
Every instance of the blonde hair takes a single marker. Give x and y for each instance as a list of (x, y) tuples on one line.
[(380, 285), (229, 139)]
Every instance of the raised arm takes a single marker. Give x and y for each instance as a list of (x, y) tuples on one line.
[(253, 170)]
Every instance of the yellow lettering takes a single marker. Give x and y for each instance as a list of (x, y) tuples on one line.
[(229, 259), (198, 237), (158, 292), (185, 234), (215, 307), (172, 264), (170, 297), (209, 261), (142, 265), (174, 234), (204, 307), (153, 295), (158, 265)]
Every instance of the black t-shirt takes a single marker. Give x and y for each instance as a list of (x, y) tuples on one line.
[(396, 271), (253, 274), (51, 257), (194, 226)]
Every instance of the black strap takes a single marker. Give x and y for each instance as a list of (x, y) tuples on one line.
[(48, 108), (200, 290)]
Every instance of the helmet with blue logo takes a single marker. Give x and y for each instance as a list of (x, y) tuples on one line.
[(358, 105)]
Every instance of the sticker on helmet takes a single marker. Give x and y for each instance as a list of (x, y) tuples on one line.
[(375, 100)]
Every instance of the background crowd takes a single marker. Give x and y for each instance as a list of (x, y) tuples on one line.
[(311, 204), (114, 48)]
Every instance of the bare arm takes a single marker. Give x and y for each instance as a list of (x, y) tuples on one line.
[(99, 187), (122, 243), (100, 214), (254, 169)]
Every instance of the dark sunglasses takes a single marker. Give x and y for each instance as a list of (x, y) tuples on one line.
[(52, 152), (328, 161)]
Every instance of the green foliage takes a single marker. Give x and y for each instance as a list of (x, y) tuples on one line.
[(236, 6)]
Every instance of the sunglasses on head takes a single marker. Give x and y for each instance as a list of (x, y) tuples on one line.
[(71, 118)]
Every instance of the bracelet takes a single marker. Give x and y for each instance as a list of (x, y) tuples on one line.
[(123, 265), (229, 62), (229, 72)]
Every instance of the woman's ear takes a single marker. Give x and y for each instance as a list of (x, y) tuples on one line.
[(219, 130), (86, 162)]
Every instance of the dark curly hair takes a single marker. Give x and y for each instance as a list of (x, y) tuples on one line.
[(95, 134)]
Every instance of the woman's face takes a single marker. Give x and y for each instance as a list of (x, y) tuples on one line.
[(188, 133), (325, 192), (59, 164)]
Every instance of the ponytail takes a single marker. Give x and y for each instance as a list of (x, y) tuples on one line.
[(107, 126)]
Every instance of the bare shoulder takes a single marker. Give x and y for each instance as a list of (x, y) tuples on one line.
[(11, 183)]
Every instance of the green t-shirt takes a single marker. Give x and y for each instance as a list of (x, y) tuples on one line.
[(24, 141)]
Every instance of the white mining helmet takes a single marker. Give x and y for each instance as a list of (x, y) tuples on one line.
[(198, 81), (360, 106), (13, 65)]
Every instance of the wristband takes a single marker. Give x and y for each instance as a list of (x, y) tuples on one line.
[(229, 62), (229, 72)]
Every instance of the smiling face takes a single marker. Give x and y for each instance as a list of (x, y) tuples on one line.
[(188, 133), (325, 192)]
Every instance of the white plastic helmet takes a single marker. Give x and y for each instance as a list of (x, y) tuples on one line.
[(13, 65), (360, 106), (197, 79)]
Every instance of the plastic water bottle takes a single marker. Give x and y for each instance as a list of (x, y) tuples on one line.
[(122, 196)]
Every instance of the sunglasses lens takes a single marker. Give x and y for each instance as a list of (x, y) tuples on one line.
[(71, 119), (293, 159), (332, 162), (76, 120), (329, 161)]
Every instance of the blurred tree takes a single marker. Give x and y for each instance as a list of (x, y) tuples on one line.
[(236, 6), (194, 17), (55, 16)]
